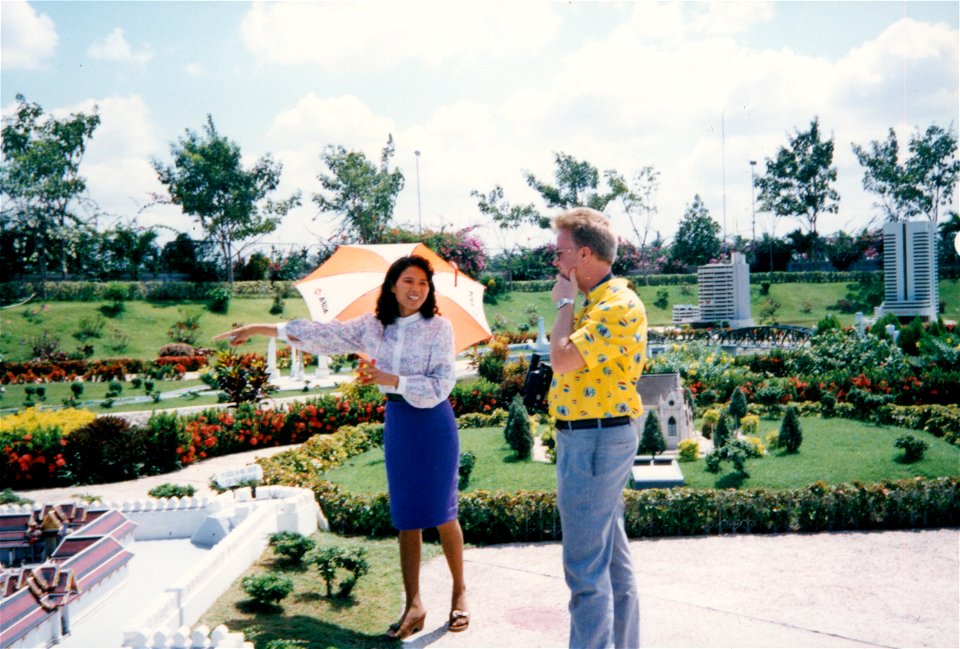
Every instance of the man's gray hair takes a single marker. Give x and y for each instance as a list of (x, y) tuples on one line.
[(591, 229)]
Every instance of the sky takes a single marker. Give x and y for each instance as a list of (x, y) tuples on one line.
[(486, 91)]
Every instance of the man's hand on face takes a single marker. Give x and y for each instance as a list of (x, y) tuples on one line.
[(565, 287)]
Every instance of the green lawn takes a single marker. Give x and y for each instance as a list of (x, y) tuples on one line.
[(496, 467), (14, 396), (834, 451), (142, 329), (307, 615)]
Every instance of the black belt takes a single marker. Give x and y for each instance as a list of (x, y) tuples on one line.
[(580, 424), (393, 396)]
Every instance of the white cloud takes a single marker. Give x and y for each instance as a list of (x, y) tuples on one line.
[(373, 35), (114, 47), (193, 69), (27, 37)]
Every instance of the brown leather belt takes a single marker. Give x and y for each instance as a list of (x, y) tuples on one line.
[(580, 424)]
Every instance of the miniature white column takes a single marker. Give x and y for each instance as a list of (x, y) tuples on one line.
[(272, 370), (296, 365), (323, 366), (891, 330), (858, 322)]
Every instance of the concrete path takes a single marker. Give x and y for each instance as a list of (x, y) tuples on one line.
[(855, 589)]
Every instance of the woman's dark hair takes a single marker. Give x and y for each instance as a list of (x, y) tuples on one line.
[(388, 310)]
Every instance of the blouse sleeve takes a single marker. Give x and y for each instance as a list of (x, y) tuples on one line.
[(357, 335), (435, 384)]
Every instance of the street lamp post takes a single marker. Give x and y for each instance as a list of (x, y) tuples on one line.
[(419, 216), (753, 208)]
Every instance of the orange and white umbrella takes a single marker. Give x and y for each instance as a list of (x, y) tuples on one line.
[(348, 283)]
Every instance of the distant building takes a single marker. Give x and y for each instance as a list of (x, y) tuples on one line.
[(910, 285), (662, 396), (724, 295)]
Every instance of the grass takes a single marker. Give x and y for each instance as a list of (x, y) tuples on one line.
[(834, 451), (142, 329), (15, 395), (306, 614), (496, 469)]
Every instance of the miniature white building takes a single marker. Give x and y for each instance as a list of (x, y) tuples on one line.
[(662, 396), (724, 295), (910, 270)]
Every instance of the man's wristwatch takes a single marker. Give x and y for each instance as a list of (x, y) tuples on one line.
[(564, 301)]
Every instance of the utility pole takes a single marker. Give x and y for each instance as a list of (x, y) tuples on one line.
[(419, 216), (753, 206)]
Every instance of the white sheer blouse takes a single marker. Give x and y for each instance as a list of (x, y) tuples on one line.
[(419, 350)]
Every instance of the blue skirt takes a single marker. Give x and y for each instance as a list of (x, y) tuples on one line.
[(422, 453)]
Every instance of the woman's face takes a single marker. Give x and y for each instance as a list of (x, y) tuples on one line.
[(411, 289)]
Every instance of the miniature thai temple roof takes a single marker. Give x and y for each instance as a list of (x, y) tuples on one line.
[(107, 523), (92, 558), (15, 530)]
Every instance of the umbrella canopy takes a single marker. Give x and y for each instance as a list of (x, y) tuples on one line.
[(348, 284)]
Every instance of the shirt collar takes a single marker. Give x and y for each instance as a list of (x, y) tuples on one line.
[(410, 319)]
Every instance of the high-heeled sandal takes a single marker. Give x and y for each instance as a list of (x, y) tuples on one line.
[(459, 621), (400, 631)]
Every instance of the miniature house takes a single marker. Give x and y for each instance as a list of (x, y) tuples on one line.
[(662, 396)]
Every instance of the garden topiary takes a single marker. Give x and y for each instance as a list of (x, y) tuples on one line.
[(737, 407), (722, 434), (267, 589), (652, 439), (517, 430), (791, 436), (177, 349), (170, 490), (292, 546), (913, 448)]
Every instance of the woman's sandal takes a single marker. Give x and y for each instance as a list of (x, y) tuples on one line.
[(398, 631), (459, 621)]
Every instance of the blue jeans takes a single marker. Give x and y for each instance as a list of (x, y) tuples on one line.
[(593, 466)]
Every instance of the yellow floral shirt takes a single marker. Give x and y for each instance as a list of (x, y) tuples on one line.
[(610, 331)]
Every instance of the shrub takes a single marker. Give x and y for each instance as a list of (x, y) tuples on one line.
[(170, 490), (828, 404), (721, 436), (330, 560), (688, 451), (243, 378), (108, 449), (663, 299), (651, 441), (790, 436), (267, 589), (517, 431), (177, 349), (218, 300), (736, 451), (913, 448), (467, 461), (738, 406), (116, 293), (750, 424), (292, 546), (186, 330)]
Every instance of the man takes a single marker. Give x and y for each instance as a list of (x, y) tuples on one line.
[(597, 355)]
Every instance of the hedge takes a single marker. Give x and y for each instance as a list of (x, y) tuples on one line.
[(530, 516)]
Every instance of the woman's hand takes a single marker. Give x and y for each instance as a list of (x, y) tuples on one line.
[(242, 334), (368, 372)]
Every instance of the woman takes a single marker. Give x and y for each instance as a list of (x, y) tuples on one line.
[(411, 360)]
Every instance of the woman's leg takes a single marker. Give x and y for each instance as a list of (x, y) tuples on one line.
[(411, 542), (451, 540)]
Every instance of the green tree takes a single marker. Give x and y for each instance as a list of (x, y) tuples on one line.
[(363, 194), (651, 441), (791, 436), (517, 429), (131, 249), (639, 203), (507, 217), (697, 240), (207, 180), (917, 186), (798, 181), (722, 434), (576, 184), (40, 179), (738, 407)]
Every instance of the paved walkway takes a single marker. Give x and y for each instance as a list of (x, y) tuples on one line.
[(878, 589)]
